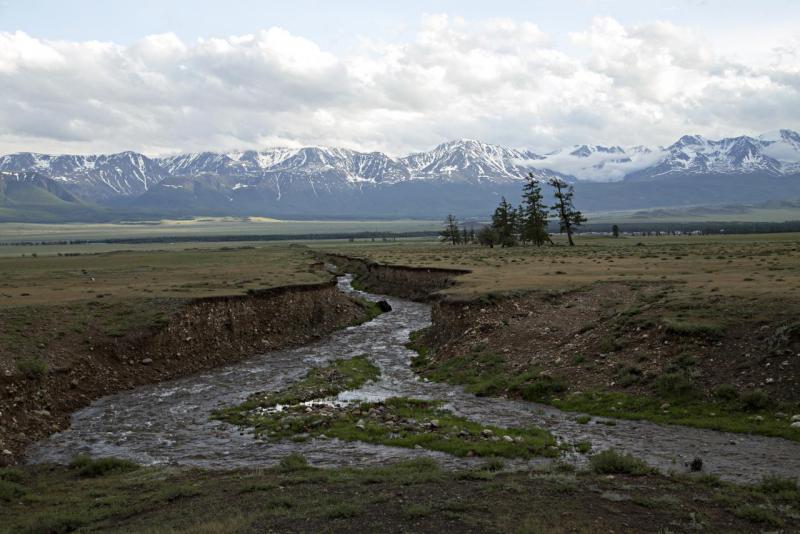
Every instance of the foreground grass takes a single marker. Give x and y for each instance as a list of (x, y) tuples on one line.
[(415, 495), (292, 414)]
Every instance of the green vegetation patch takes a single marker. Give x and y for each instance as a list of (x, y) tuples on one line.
[(292, 413), (485, 374), (370, 307), (397, 422), (747, 413), (85, 466), (612, 462), (319, 383)]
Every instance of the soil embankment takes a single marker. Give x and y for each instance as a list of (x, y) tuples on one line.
[(202, 334), (413, 283), (617, 349)]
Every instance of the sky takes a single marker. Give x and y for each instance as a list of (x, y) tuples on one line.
[(161, 77)]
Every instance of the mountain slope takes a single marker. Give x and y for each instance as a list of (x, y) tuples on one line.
[(29, 196), (466, 177)]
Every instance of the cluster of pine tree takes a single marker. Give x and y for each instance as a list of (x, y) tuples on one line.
[(525, 224)]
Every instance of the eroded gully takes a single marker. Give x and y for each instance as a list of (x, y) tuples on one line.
[(168, 423)]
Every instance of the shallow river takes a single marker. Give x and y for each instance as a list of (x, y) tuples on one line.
[(168, 423)]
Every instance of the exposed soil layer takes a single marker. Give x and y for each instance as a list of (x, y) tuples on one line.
[(618, 337), (414, 283), (201, 334)]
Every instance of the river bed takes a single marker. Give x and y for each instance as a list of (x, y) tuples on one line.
[(168, 422)]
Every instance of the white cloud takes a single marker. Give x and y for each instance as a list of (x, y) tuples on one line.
[(599, 166), (502, 81)]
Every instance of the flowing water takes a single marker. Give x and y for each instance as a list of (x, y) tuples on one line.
[(168, 423)]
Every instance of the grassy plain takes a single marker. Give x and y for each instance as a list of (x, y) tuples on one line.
[(753, 265), (50, 305), (418, 496), (201, 227)]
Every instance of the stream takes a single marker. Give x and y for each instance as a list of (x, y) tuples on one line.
[(168, 422)]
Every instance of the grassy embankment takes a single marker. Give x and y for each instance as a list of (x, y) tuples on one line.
[(53, 307)]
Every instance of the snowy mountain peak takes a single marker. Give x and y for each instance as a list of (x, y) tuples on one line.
[(468, 161)]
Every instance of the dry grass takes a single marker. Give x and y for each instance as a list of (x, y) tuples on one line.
[(146, 274), (756, 265)]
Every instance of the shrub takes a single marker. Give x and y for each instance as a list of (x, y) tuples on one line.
[(32, 367), (542, 388), (494, 464), (693, 329), (757, 514), (776, 484), (675, 385), (610, 461), (11, 474), (90, 467), (293, 462), (10, 490), (754, 400), (726, 392), (629, 376)]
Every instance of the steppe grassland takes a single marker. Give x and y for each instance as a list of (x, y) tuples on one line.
[(752, 265)]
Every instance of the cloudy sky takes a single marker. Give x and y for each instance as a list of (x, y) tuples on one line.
[(160, 77)]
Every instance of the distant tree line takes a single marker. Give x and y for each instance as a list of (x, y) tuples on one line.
[(528, 223), (386, 236), (703, 228)]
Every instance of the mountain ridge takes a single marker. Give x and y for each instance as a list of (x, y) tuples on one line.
[(463, 176)]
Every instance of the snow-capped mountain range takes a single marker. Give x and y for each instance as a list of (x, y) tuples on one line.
[(281, 179)]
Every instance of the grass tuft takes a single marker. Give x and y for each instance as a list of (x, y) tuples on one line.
[(610, 461)]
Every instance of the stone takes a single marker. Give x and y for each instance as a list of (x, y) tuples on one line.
[(486, 433), (664, 406), (508, 439), (360, 424), (384, 306), (434, 423), (796, 424), (796, 418), (147, 361)]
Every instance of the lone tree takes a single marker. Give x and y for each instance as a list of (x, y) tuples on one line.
[(503, 221), (568, 217), (615, 230), (451, 231), (534, 213)]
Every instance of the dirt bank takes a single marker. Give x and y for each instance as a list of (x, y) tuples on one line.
[(620, 337), (414, 283), (201, 334)]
